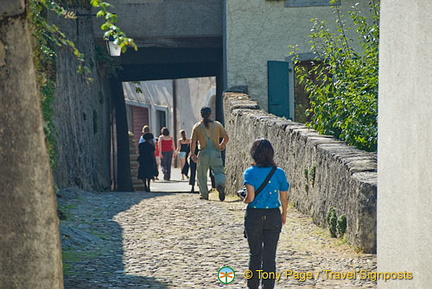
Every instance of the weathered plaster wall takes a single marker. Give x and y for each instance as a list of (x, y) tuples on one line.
[(191, 96), (155, 94), (169, 18), (404, 143), (322, 171), (259, 30), (82, 113)]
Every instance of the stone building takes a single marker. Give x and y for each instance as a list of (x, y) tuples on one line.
[(258, 34), (155, 106), (237, 42)]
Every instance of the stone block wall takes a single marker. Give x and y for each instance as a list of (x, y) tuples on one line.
[(321, 170), (81, 112)]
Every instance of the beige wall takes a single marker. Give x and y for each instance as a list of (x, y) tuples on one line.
[(404, 143), (259, 30), (192, 94)]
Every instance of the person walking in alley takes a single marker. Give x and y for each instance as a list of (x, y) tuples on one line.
[(266, 190), (166, 152), (147, 162), (193, 168), (145, 129), (157, 156), (183, 147), (207, 134)]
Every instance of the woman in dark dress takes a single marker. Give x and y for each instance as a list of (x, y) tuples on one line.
[(147, 162)]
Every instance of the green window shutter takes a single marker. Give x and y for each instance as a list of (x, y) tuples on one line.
[(278, 88)]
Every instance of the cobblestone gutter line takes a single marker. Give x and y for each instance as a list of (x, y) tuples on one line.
[(161, 240)]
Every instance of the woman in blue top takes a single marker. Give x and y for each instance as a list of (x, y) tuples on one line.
[(263, 218)]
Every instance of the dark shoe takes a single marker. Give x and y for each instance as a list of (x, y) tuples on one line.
[(220, 189), (203, 198)]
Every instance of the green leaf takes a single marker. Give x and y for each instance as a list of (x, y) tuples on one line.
[(343, 88)]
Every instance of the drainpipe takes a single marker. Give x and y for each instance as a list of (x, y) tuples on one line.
[(174, 87)]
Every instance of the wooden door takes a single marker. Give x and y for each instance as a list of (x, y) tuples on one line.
[(140, 117)]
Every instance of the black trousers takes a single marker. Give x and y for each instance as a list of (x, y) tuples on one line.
[(262, 230), (166, 164), (185, 168)]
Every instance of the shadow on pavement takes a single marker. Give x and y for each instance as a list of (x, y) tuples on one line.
[(92, 241)]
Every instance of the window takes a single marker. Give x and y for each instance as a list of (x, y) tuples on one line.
[(161, 120), (301, 97), (308, 3)]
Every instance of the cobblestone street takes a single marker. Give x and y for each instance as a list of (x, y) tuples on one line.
[(175, 240)]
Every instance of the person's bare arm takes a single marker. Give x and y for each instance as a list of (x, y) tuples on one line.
[(193, 157), (222, 144), (250, 194), (178, 146), (284, 201), (160, 147)]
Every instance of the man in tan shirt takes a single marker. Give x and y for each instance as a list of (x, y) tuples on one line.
[(207, 134)]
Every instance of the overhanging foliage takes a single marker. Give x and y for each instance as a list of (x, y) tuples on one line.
[(343, 83)]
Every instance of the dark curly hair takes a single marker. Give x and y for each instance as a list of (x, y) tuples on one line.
[(262, 153)]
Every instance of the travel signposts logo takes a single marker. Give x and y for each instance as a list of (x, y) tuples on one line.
[(226, 275)]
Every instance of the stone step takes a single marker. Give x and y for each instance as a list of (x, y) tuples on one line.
[(136, 182), (138, 187)]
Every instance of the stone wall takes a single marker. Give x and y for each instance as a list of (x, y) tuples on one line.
[(30, 251), (321, 170), (81, 112)]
